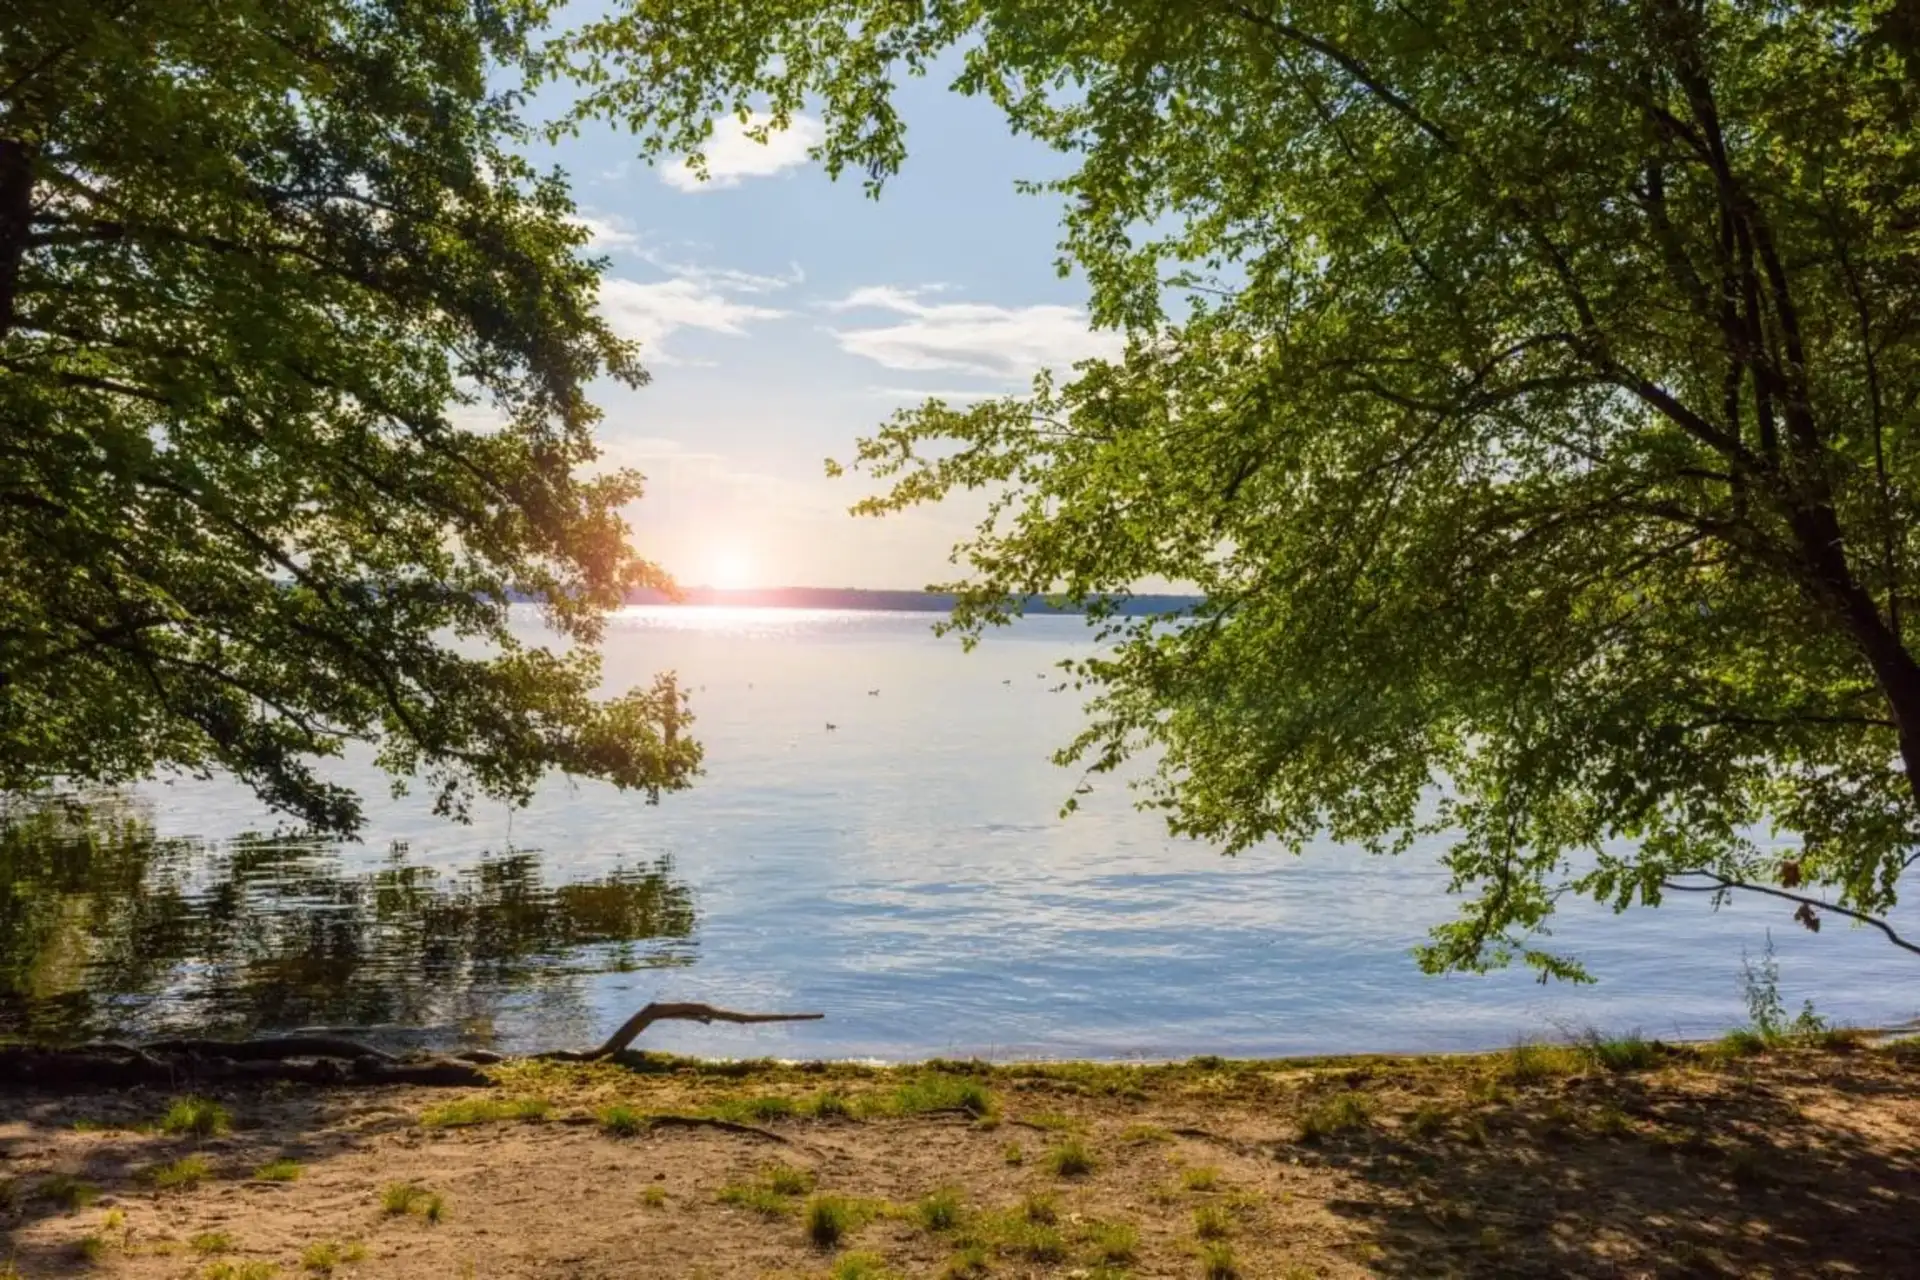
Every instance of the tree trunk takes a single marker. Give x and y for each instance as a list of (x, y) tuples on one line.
[(16, 222)]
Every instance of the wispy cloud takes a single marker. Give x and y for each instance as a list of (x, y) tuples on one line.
[(714, 299), (731, 155), (1004, 343), (608, 234)]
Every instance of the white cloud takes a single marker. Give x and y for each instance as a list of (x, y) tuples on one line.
[(1006, 343), (649, 312), (731, 155), (608, 234)]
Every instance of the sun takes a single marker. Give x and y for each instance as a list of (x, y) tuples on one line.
[(731, 569)]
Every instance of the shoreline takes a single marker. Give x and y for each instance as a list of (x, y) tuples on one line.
[(1611, 1158)]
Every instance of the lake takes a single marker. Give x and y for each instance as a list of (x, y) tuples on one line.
[(905, 873)]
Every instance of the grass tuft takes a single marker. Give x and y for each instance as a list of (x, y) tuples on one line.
[(971, 1262), (183, 1174), (67, 1191), (1114, 1242), (1070, 1159), (1014, 1154), (1137, 1133), (1201, 1177), (622, 1122), (1342, 1113), (654, 1197), (1218, 1263), (829, 1105), (1211, 1222), (322, 1256), (940, 1211), (940, 1092), (1428, 1120), (278, 1171), (861, 1266), (1034, 1241), (198, 1117), (828, 1220), (211, 1244), (91, 1247), (240, 1271), (1621, 1054), (483, 1110), (1528, 1063), (399, 1198), (1039, 1206)]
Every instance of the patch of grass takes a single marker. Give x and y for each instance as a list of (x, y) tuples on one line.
[(67, 1191), (861, 1266), (1033, 1241), (654, 1197), (198, 1117), (183, 1174), (786, 1180), (828, 1220), (240, 1271), (91, 1247), (1114, 1242), (1070, 1159), (483, 1110), (1211, 1222), (1608, 1122), (1138, 1133), (1201, 1177), (399, 1198), (941, 1092), (622, 1122), (1218, 1263), (969, 1263), (322, 1256), (940, 1211), (211, 1244), (1620, 1054), (1428, 1120), (1054, 1122), (1014, 1154), (1743, 1043), (1528, 1063), (1041, 1207), (1342, 1113), (279, 1171), (749, 1195), (829, 1104)]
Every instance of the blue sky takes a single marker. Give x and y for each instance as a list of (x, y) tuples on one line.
[(783, 315)]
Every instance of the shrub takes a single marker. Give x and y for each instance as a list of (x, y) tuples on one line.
[(199, 1117), (1070, 1159)]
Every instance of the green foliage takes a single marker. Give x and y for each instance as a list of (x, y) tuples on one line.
[(200, 1117), (279, 1171), (1218, 1263), (1525, 387), (67, 1191), (1114, 1242), (295, 348), (183, 1174), (861, 1266), (484, 1110), (1342, 1113), (622, 1121), (211, 1242), (1211, 1222), (1070, 1159), (400, 1198), (1200, 1177), (1620, 1054), (828, 1219), (940, 1092), (323, 1256), (1766, 1011), (940, 1211), (240, 1271)]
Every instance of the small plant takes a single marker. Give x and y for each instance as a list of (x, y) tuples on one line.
[(1609, 1122), (1766, 1011), (1621, 1054), (67, 1191), (1737, 1044), (861, 1266), (828, 1219), (755, 1197), (767, 1108), (91, 1247), (1137, 1133), (940, 1211), (1217, 1262), (1428, 1120), (1339, 1114), (1114, 1242), (654, 1197), (1035, 1241), (211, 1243), (469, 1111), (827, 1106), (970, 1263), (322, 1256), (1070, 1159), (240, 1271), (1211, 1222), (1528, 1063), (786, 1180), (1201, 1177), (400, 1198), (1040, 1207), (1013, 1153), (622, 1122), (198, 1117), (183, 1174), (279, 1171), (942, 1093), (1053, 1122)]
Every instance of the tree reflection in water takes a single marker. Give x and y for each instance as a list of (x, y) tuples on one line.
[(106, 928)]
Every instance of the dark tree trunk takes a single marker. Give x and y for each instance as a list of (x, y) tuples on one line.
[(16, 222)]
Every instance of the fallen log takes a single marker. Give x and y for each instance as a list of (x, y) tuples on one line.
[(310, 1059)]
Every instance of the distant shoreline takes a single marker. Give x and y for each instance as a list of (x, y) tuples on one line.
[(874, 601)]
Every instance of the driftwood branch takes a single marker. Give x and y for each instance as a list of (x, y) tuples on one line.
[(1718, 883), (313, 1059)]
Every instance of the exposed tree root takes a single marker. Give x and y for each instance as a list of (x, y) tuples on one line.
[(325, 1060)]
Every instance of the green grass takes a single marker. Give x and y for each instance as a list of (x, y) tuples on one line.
[(1211, 1222), (198, 1117), (622, 1122), (941, 1092), (322, 1256), (1620, 1054), (1217, 1262), (1531, 1063), (786, 1180), (1054, 1122), (1137, 1133), (970, 1262), (468, 1111), (861, 1266), (827, 1105), (940, 1211), (1738, 1044), (399, 1198), (654, 1197), (828, 1220), (1033, 1241), (240, 1271), (1114, 1242), (1014, 1154), (183, 1174), (279, 1171), (1041, 1207), (1070, 1159), (1342, 1113), (772, 1192), (1428, 1120), (91, 1247), (1202, 1177), (211, 1243), (67, 1191)]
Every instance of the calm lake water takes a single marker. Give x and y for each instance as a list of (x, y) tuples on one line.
[(905, 873)]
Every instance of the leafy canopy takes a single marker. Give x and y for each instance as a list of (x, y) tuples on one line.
[(1529, 387), (293, 357)]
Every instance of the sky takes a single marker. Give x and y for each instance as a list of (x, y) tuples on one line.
[(782, 316)]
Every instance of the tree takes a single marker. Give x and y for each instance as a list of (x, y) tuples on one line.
[(1529, 388), (294, 349)]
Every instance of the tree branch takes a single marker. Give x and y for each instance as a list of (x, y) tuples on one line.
[(1722, 884)]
